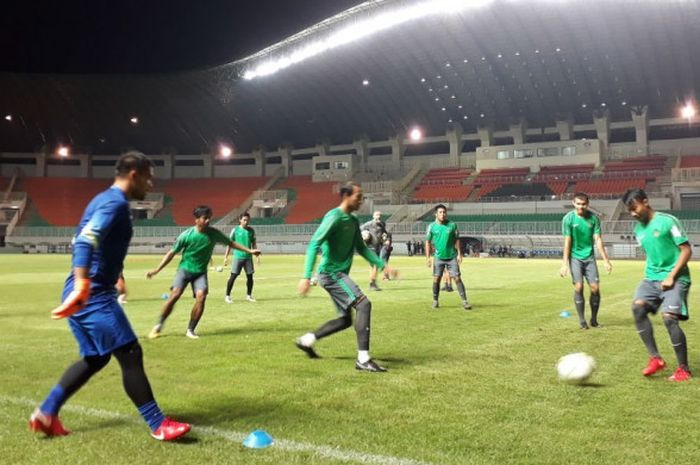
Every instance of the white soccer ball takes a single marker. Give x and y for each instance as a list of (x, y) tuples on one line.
[(575, 368), (366, 236)]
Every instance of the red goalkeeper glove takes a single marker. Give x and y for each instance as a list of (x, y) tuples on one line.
[(75, 301)]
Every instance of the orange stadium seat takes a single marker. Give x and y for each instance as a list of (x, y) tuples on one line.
[(313, 200)]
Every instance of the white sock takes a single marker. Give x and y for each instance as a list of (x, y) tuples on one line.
[(307, 339), (363, 356)]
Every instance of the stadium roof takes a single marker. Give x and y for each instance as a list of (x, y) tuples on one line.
[(484, 62)]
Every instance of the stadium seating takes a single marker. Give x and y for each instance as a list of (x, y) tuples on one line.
[(443, 184), (61, 201), (609, 186), (537, 190), (647, 167), (313, 199), (564, 173), (501, 175), (222, 195), (690, 161)]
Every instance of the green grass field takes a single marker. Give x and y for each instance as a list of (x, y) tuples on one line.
[(475, 387)]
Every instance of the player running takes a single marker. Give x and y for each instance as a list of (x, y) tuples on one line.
[(666, 281), (339, 237), (244, 235)]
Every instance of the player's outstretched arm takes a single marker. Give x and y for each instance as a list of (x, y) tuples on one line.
[(78, 297), (163, 263)]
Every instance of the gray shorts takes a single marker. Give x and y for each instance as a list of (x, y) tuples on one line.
[(241, 263), (674, 300), (343, 290), (587, 268), (183, 278), (452, 267), (385, 254)]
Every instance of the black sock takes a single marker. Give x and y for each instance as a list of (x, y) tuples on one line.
[(229, 284), (192, 325), (594, 299), (580, 304), (362, 323), (333, 326), (134, 378), (677, 340), (645, 329), (249, 284), (461, 290), (436, 290)]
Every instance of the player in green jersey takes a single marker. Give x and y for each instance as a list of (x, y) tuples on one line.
[(196, 244), (244, 235), (581, 229), (339, 237), (443, 237), (666, 281)]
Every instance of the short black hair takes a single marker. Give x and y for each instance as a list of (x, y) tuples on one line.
[(202, 210), (582, 196), (439, 206), (243, 215), (348, 188), (132, 160), (634, 195)]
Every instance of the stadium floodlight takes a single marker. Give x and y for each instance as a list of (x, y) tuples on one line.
[(365, 82), (415, 134), (360, 29), (688, 111), (62, 151), (225, 151), (8, 117), (134, 120)]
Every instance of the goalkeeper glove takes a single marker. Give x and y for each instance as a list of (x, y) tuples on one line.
[(75, 301)]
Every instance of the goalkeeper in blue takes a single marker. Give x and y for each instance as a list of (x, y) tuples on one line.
[(90, 303)]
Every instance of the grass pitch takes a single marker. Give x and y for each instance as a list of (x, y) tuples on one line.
[(475, 387)]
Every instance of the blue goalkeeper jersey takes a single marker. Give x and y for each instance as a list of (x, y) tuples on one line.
[(102, 239)]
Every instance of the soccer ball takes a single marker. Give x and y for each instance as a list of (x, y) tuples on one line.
[(575, 368), (219, 269), (366, 236)]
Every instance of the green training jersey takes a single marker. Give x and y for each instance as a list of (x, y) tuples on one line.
[(443, 237), (581, 229), (245, 237), (339, 237), (196, 248), (660, 239)]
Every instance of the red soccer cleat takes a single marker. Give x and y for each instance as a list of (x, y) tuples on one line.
[(681, 374), (50, 425), (655, 364), (170, 429)]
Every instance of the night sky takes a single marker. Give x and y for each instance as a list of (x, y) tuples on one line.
[(132, 36)]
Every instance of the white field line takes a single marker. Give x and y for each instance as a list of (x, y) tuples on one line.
[(238, 437)]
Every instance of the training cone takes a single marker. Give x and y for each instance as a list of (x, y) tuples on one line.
[(258, 439), (565, 314), (164, 296)]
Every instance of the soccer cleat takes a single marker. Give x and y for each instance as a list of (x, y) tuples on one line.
[(443, 288), (50, 425), (681, 374), (449, 289), (655, 364), (595, 324), (308, 350), (191, 334), (435, 305), (583, 325), (227, 299), (170, 430), (155, 332), (370, 365), (466, 305), (373, 287), (250, 298)]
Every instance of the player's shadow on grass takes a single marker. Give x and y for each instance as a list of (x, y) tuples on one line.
[(217, 411), (590, 385)]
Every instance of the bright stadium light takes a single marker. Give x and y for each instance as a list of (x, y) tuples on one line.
[(62, 151), (225, 151), (688, 111), (134, 120), (415, 134), (361, 29), (8, 118)]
